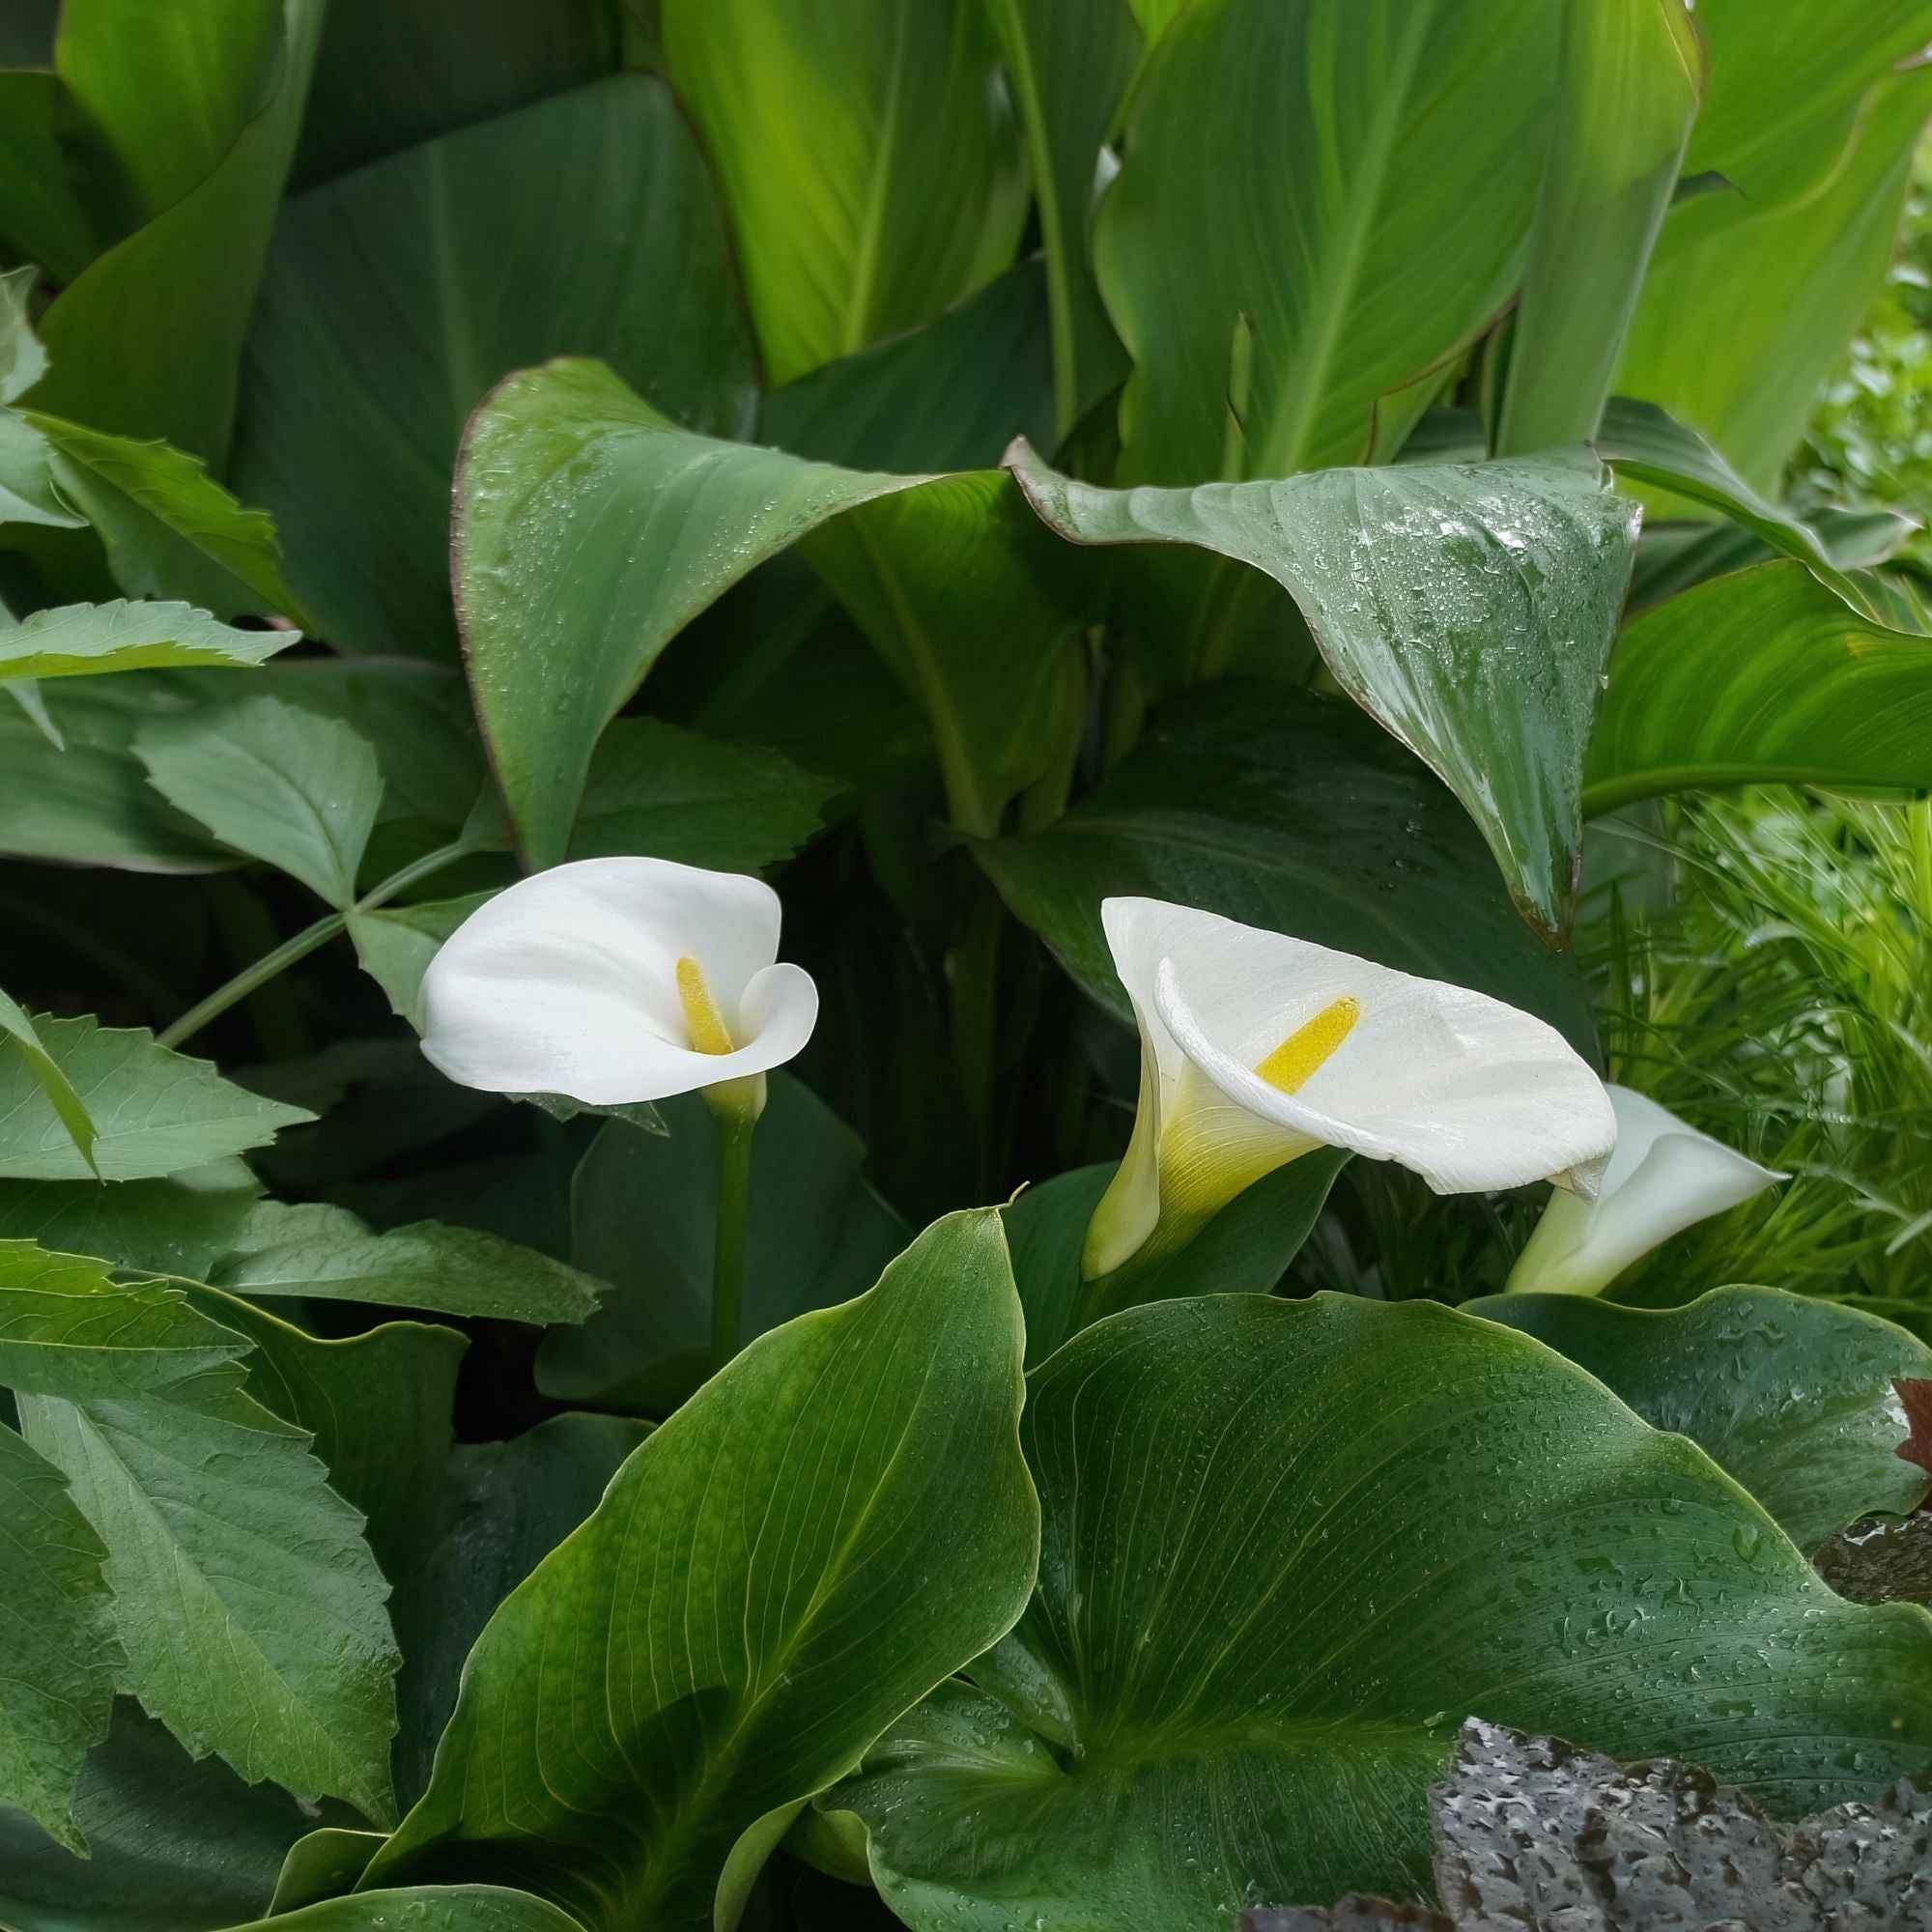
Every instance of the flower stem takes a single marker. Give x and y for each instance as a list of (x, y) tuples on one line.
[(306, 942), (727, 1257)]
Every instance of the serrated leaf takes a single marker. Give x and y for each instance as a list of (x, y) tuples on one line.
[(155, 1112), (27, 490), (328, 1253), (288, 787), (62, 1655), (54, 1083), (216, 1519), (84, 640), (177, 1225)]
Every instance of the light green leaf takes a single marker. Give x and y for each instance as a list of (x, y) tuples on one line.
[(817, 1235), (1359, 214), (1245, 1249), (155, 1112), (170, 528), (174, 1846), (322, 1866), (589, 530), (27, 490), (147, 340), (62, 1656), (289, 787), (1764, 676), (1069, 63), (354, 452), (1468, 608), (1295, 814), (1791, 1395), (215, 1520), (1286, 1548), (395, 944), (173, 1226), (23, 361), (777, 1571), (456, 1908), (83, 639), (326, 1253), (54, 1083), (1629, 86), (867, 154)]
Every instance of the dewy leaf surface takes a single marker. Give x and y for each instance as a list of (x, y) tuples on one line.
[(1286, 1547), (1791, 1395), (155, 1112), (216, 1519), (1295, 813), (774, 1576), (1360, 212), (1468, 608)]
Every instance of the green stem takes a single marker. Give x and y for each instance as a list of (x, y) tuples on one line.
[(306, 942), (728, 1256)]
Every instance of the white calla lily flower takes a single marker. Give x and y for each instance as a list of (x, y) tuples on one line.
[(1257, 1048), (614, 980), (1664, 1177)]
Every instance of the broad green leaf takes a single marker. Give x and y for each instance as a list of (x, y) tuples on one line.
[(456, 1908), (170, 528), (1244, 1250), (294, 789), (1764, 676), (54, 1083), (867, 154), (62, 1656), (27, 490), (174, 1846), (83, 639), (354, 452), (589, 530), (818, 1234), (1069, 63), (323, 1866), (24, 359), (215, 1520), (783, 1567), (49, 211), (1468, 608), (1359, 214), (155, 1112), (1286, 1548), (147, 340), (395, 944), (328, 1253), (1295, 813), (1629, 86), (1748, 310), (1791, 1395), (173, 1226), (510, 1505)]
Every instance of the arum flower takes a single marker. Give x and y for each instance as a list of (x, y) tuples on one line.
[(1257, 1048), (619, 980), (1664, 1177)]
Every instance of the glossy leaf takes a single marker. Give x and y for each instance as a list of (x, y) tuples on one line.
[(62, 1656), (1287, 1546), (1469, 609), (1274, 283), (1791, 1395), (1764, 676), (214, 1517), (82, 639), (1069, 63), (1629, 86), (456, 1908), (19, 1028), (155, 1112), (775, 1573), (328, 1254), (1243, 1250), (817, 1235), (589, 530), (1293, 813), (286, 786), (173, 1226), (354, 450), (870, 164)]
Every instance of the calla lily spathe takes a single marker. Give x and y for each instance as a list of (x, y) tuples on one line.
[(614, 980), (1664, 1177), (1257, 1047)]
